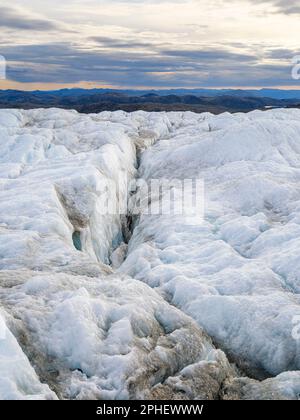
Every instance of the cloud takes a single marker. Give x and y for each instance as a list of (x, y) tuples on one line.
[(66, 63), (15, 19), (149, 42), (213, 55), (283, 6), (281, 54), (119, 43)]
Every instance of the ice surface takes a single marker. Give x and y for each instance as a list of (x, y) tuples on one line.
[(89, 316), (18, 379), (237, 273), (104, 337)]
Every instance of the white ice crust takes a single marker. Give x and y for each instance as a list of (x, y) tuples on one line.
[(115, 321)]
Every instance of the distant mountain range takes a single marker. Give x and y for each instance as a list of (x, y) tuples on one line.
[(261, 93), (197, 100)]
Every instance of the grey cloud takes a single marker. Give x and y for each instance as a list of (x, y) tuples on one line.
[(281, 54), (283, 6), (63, 63), (13, 18), (213, 55), (118, 43)]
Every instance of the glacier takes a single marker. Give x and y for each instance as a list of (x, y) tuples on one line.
[(110, 306)]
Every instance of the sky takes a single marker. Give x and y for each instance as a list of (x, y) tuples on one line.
[(149, 43)]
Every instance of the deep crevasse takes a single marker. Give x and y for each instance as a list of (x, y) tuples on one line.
[(92, 333)]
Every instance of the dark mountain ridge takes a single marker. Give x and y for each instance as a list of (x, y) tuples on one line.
[(97, 100)]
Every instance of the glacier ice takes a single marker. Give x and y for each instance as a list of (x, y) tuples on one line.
[(172, 309), (18, 378), (236, 273)]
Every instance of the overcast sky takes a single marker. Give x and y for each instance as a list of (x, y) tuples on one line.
[(149, 43)]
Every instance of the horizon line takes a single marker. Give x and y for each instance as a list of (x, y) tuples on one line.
[(136, 89), (8, 84)]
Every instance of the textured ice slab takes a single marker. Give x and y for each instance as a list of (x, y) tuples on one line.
[(103, 337), (87, 333), (237, 273), (91, 317), (53, 166), (18, 380)]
